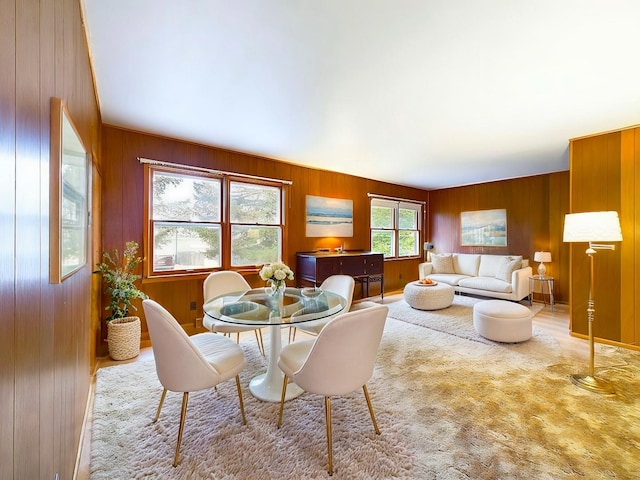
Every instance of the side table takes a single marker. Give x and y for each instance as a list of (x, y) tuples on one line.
[(543, 280)]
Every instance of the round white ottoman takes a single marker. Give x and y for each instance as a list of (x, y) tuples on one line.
[(428, 297), (502, 321)]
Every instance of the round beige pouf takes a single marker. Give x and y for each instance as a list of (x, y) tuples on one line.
[(502, 321), (428, 297)]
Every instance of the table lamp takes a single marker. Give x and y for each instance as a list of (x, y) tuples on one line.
[(542, 257), (592, 227)]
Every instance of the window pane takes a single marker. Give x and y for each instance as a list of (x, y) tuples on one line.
[(408, 241), (382, 242), (186, 198), (381, 217), (254, 245), (407, 219), (250, 203), (185, 247)]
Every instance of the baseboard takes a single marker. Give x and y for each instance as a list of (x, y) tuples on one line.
[(81, 451)]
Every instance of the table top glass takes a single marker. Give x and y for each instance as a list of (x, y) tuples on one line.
[(259, 306)]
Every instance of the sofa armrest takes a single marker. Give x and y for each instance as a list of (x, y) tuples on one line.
[(520, 282), (424, 269)]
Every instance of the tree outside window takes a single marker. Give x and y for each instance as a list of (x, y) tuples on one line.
[(395, 227), (188, 231)]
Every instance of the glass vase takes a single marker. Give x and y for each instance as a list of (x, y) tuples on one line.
[(277, 287)]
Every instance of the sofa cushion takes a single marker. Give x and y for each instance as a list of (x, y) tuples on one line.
[(491, 284), (442, 263), (492, 265), (448, 278), (466, 264), (507, 267)]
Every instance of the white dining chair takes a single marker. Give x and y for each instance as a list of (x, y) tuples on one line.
[(343, 285), (188, 364), (338, 361), (220, 283)]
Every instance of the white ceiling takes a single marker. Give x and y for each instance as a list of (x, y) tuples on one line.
[(425, 93)]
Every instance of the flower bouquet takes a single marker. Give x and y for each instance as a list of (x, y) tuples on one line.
[(276, 274)]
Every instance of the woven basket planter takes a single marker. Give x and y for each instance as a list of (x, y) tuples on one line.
[(123, 335)]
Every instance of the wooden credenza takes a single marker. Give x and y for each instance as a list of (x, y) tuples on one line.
[(365, 267)]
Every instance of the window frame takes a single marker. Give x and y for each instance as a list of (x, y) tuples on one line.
[(224, 223), (396, 205)]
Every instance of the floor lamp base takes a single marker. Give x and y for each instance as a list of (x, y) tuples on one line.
[(593, 384)]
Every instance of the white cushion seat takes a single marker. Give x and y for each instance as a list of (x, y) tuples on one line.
[(502, 321), (490, 284), (452, 279), (428, 297)]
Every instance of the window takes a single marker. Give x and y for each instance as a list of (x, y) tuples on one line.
[(200, 221), (395, 227)]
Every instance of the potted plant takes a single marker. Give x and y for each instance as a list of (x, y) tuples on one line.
[(123, 330)]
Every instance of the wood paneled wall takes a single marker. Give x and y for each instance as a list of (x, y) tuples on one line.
[(535, 215), (44, 345), (605, 176), (123, 206)]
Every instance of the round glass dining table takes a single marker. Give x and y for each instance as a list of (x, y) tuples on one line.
[(260, 307)]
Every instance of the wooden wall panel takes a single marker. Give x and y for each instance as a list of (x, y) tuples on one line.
[(595, 185), (630, 223), (44, 344), (7, 238), (532, 223), (558, 207), (123, 206)]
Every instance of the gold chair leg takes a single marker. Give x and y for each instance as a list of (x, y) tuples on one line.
[(258, 333), (244, 419), (164, 394), (183, 414), (327, 408), (373, 417), (237, 337), (284, 394)]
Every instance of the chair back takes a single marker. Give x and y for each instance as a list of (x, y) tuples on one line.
[(225, 281), (343, 355), (343, 285), (179, 364)]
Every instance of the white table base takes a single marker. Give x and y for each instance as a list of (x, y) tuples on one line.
[(268, 386)]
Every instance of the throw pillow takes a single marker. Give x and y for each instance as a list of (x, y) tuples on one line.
[(507, 267), (442, 263)]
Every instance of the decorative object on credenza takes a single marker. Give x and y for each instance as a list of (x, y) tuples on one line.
[(119, 277), (329, 217), (592, 227), (486, 228), (68, 189), (542, 257), (428, 246)]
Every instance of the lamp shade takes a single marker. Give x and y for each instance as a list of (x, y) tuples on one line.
[(592, 227), (542, 257)]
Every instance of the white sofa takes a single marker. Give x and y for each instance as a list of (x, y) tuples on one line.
[(497, 276)]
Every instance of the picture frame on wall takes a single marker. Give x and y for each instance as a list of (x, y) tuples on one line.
[(68, 211), (329, 217), (486, 228)]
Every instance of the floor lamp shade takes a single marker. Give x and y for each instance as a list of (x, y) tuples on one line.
[(592, 227)]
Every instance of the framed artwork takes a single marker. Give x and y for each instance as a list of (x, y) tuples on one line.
[(329, 217), (487, 228), (68, 213)]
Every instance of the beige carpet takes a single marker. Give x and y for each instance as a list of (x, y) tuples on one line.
[(448, 407)]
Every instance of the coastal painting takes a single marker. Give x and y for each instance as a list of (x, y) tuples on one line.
[(487, 228), (329, 217)]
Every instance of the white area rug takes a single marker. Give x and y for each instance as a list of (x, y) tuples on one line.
[(457, 320), (448, 408)]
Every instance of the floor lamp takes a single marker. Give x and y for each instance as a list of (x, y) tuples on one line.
[(592, 227)]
